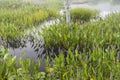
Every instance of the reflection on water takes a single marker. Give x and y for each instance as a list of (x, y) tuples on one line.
[(26, 47), (30, 46)]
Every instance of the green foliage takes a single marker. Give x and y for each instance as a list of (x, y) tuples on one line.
[(83, 14), (26, 17), (99, 66), (84, 51), (13, 69), (9, 30), (81, 52), (101, 33), (14, 21)]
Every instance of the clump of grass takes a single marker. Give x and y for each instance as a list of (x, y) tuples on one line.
[(83, 14)]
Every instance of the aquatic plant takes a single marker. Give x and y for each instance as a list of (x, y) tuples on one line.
[(84, 37), (99, 64), (12, 68)]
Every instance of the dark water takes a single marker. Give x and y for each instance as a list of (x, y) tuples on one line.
[(32, 45)]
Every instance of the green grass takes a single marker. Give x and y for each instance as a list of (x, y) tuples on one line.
[(89, 36), (14, 21), (81, 52), (100, 65), (83, 14)]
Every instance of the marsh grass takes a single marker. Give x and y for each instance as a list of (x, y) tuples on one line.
[(14, 21), (81, 52), (84, 51), (100, 65), (83, 14), (84, 37)]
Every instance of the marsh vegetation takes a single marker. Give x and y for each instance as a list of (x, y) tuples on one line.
[(87, 50)]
